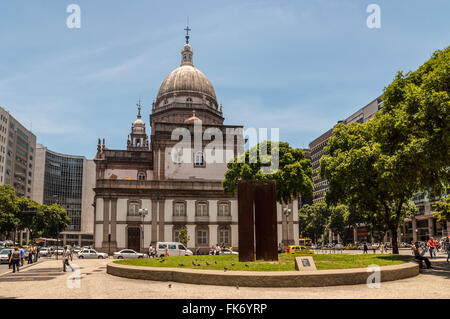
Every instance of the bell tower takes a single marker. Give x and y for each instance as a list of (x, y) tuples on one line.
[(139, 139)]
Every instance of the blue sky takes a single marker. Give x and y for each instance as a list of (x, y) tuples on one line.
[(297, 65)]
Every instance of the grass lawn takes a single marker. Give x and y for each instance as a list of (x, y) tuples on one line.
[(285, 262)]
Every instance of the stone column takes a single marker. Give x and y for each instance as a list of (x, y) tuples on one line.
[(28, 236), (355, 234), (430, 227), (154, 222), (113, 224), (161, 220), (330, 236), (79, 240), (414, 228), (448, 228), (291, 238), (213, 235), (284, 226), (20, 237), (106, 203)]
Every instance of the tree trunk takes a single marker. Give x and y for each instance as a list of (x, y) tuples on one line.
[(394, 241)]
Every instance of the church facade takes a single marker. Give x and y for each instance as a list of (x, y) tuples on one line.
[(174, 175)]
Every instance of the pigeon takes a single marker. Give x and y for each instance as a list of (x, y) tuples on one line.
[(170, 285), (193, 264), (215, 261), (181, 265), (225, 268), (207, 264), (232, 264), (247, 265), (162, 261), (198, 265), (237, 286)]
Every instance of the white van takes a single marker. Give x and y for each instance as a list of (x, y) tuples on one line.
[(173, 249)]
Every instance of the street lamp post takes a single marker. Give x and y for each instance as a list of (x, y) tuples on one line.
[(287, 212), (143, 212)]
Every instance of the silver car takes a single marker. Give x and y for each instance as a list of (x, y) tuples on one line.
[(129, 254), (4, 255), (91, 254)]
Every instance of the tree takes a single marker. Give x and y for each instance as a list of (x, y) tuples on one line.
[(442, 210), (183, 236), (313, 219), (26, 211), (51, 220), (379, 165), (293, 176), (342, 220), (9, 220)]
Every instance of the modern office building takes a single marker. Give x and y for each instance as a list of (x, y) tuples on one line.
[(317, 146), (17, 148), (67, 180)]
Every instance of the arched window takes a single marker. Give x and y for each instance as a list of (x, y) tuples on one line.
[(141, 176), (198, 160), (189, 101)]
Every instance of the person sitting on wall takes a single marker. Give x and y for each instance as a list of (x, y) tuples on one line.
[(419, 256)]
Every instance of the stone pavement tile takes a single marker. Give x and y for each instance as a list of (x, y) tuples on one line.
[(97, 284)]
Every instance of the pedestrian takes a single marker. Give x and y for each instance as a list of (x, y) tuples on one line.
[(9, 258), (15, 259), (366, 249), (447, 247), (150, 251), (66, 256), (197, 251), (382, 248), (30, 256), (22, 253), (36, 255), (374, 247), (432, 246), (419, 256)]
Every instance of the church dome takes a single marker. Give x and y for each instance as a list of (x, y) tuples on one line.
[(186, 80)]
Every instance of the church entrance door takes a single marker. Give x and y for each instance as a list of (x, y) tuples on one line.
[(134, 238)]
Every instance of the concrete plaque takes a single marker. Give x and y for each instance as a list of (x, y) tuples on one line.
[(305, 263)]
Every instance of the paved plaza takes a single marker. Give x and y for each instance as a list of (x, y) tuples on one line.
[(46, 280)]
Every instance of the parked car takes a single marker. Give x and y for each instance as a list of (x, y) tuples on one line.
[(173, 249), (128, 254), (91, 254), (4, 254), (351, 247), (339, 247), (228, 251), (44, 252)]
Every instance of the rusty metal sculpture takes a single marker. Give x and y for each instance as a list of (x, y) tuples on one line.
[(257, 214)]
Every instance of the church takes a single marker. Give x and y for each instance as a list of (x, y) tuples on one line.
[(154, 188)]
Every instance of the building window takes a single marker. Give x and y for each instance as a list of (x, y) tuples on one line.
[(133, 209), (179, 209), (224, 209), (189, 101), (141, 176), (224, 236), (201, 209), (198, 160), (202, 237)]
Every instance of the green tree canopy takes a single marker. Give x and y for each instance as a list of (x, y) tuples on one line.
[(379, 165), (293, 176), (9, 220), (313, 219)]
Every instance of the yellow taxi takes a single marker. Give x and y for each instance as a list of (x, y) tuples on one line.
[(298, 249)]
